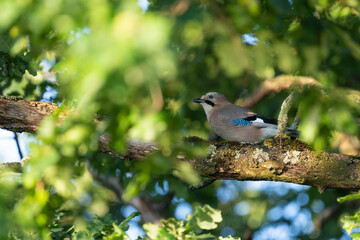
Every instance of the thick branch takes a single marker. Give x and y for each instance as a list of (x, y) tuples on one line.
[(295, 162), (21, 115)]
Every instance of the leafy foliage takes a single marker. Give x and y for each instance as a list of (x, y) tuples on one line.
[(18, 69), (99, 227), (351, 222), (204, 218)]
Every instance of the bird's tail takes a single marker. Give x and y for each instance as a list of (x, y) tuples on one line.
[(292, 133)]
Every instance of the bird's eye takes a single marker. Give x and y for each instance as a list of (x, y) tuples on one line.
[(210, 96)]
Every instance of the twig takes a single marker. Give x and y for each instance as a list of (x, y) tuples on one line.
[(151, 210), (331, 212), (277, 84), (283, 118), (179, 8), (18, 145), (109, 182), (203, 184)]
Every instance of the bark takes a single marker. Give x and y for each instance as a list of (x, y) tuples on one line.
[(21, 115), (293, 161)]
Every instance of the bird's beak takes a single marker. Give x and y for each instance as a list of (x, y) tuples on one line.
[(198, 100)]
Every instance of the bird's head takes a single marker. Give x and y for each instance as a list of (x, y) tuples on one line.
[(210, 100)]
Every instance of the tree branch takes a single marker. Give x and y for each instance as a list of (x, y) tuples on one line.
[(21, 115), (18, 145), (285, 82), (332, 212), (277, 84), (295, 162)]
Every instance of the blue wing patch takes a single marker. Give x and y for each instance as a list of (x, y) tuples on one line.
[(240, 121)]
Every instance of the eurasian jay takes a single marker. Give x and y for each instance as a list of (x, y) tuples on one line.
[(235, 123)]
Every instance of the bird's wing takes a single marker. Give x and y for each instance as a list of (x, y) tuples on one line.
[(232, 111), (255, 120), (239, 116)]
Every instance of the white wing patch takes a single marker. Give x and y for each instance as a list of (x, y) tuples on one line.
[(258, 120)]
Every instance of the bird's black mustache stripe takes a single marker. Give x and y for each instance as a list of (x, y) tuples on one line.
[(210, 103)]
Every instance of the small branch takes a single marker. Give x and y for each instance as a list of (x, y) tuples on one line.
[(248, 234), (18, 145), (283, 118), (331, 212), (109, 182), (277, 84), (203, 184), (151, 210), (179, 7)]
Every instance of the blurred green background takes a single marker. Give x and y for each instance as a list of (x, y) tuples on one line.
[(139, 68)]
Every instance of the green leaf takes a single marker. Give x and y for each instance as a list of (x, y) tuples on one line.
[(202, 236), (174, 227), (229, 238), (349, 197), (204, 217), (351, 222), (118, 234), (82, 235), (355, 236), (101, 226), (152, 230)]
